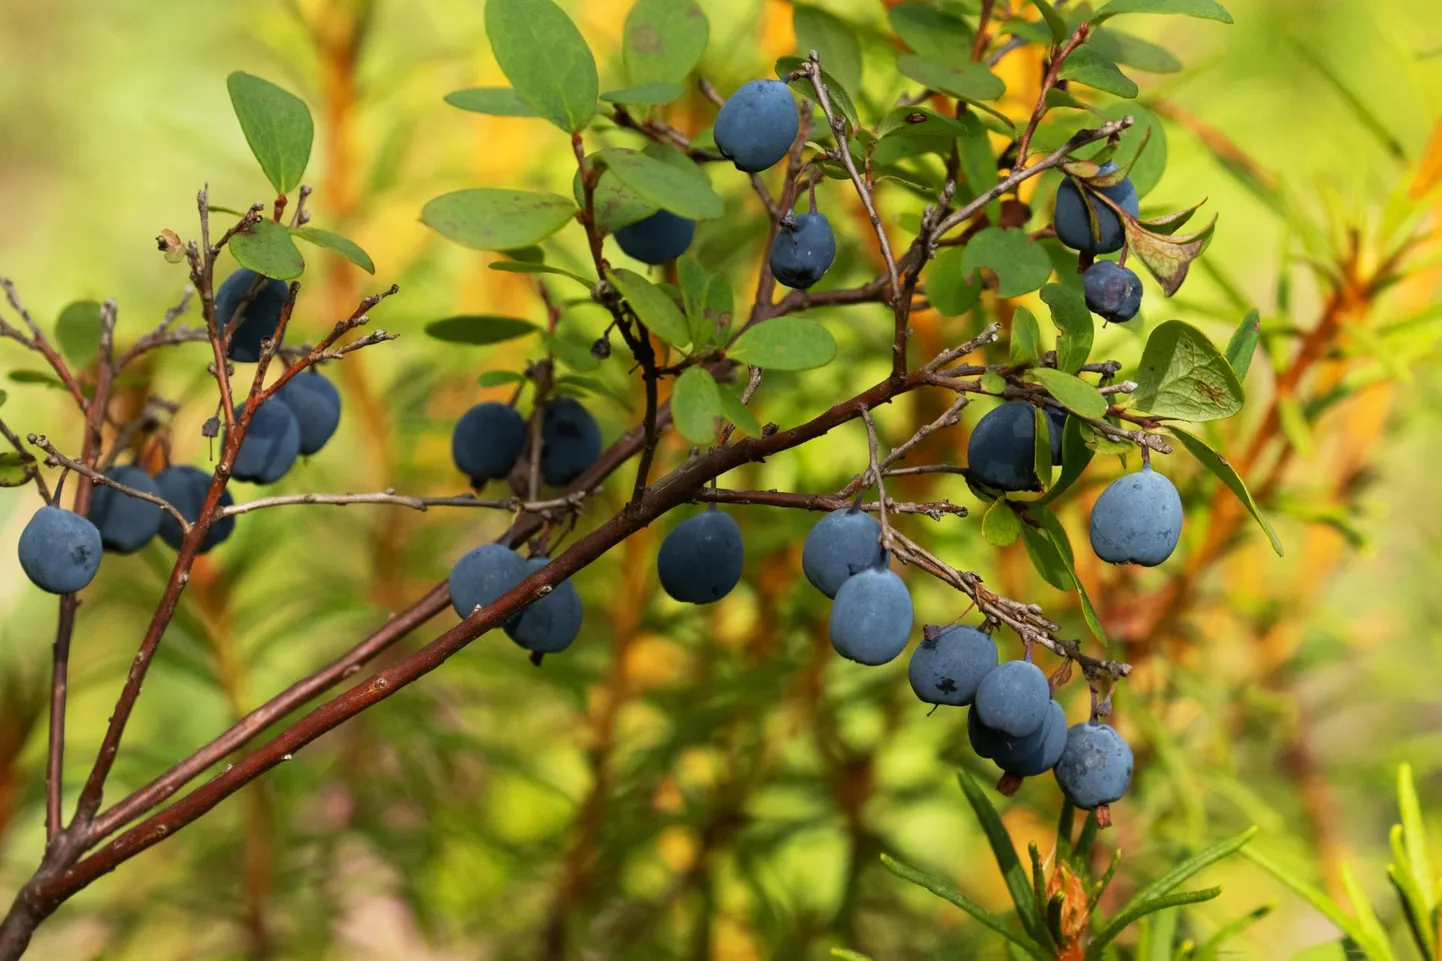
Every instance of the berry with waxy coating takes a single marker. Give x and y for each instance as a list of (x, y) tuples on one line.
[(984, 741), (871, 618), (570, 441), (1073, 227), (487, 441), (1040, 750), (657, 239), (1056, 423), (1001, 450), (261, 317), (126, 523), (840, 544), (552, 622), (1113, 292), (484, 574), (185, 488), (756, 125), (1096, 766), (1013, 697), (1137, 519), (948, 665), (700, 561), (271, 444), (803, 251), (315, 402), (59, 550)]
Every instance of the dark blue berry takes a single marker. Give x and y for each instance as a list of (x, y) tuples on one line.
[(1073, 227), (1113, 292), (871, 618), (948, 665), (126, 523), (570, 441), (59, 550), (185, 488), (484, 574), (1095, 767), (1013, 697), (840, 544), (802, 252), (756, 126), (551, 622), (270, 446), (261, 317), (1039, 751), (658, 239), (487, 441), (316, 405), (1137, 519), (701, 560), (1001, 451)]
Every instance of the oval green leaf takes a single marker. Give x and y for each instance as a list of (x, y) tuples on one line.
[(646, 94), (492, 218), (344, 246), (571, 350), (277, 126), (970, 81), (1228, 475), (653, 306), (785, 343), (834, 40), (1072, 392), (1092, 69), (1183, 375), (266, 248), (840, 100), (683, 190), (663, 40), (495, 378), (1205, 9), (522, 267), (695, 405), (1074, 326), (949, 288), (494, 101), (78, 331), (738, 413), (1025, 337), (479, 329), (546, 59), (1000, 526), (1019, 263)]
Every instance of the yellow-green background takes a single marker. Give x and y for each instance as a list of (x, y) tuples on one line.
[(462, 817)]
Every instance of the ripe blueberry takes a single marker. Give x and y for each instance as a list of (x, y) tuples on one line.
[(756, 126), (271, 444), (1000, 452), (1137, 519), (803, 251), (1113, 292), (185, 488), (1073, 227), (487, 441), (840, 544), (316, 405), (126, 523), (984, 741), (658, 239), (700, 561), (484, 574), (1039, 751), (261, 316), (552, 622), (1012, 699), (948, 665), (1096, 766), (570, 441), (871, 618), (59, 550)]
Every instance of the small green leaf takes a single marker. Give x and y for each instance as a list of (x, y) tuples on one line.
[(1074, 325), (277, 126), (1183, 375), (1244, 343), (1101, 443), (592, 385), (16, 469), (663, 40), (1045, 557), (1017, 881), (529, 255), (490, 218), (931, 32), (1228, 475), (1329, 908), (1054, 23), (1414, 832), (1020, 265), (993, 383), (546, 59), (653, 306), (521, 267), (720, 305), (1025, 337), (344, 246), (738, 413), (918, 121), (1057, 535), (266, 248), (1075, 456), (36, 377), (1000, 526), (1041, 448), (646, 94), (479, 329), (840, 100), (493, 101), (684, 190), (964, 79), (1074, 393), (695, 405), (1143, 146), (3, 397), (1134, 914), (571, 350), (947, 286), (1088, 67), (946, 892), (785, 343), (833, 39), (78, 331), (1205, 9), (495, 378), (1130, 51)]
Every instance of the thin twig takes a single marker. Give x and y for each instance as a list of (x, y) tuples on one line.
[(57, 459), (874, 474), (571, 502), (936, 510), (1053, 70)]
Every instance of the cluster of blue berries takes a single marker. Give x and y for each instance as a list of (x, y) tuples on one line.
[(1088, 224)]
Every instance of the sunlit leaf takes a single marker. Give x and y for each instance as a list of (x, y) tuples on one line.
[(277, 126), (546, 59)]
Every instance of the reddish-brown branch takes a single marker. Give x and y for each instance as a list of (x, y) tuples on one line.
[(1053, 71)]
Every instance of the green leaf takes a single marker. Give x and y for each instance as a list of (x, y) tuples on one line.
[(592, 385), (920, 122), (493, 101), (1025, 337), (1134, 914), (1000, 526), (1017, 881), (1088, 67), (834, 41), (1074, 393), (1362, 907), (522, 267), (720, 305), (652, 304), (1211, 949), (1244, 343), (646, 94), (1130, 51), (1205, 9), (738, 413), (1328, 908), (663, 40), (1414, 833), (993, 383), (848, 955), (931, 32), (277, 126), (695, 405), (1191, 866), (1074, 325), (531, 254), (479, 329), (78, 331), (570, 350), (1101, 443), (967, 80), (1055, 25), (266, 248), (491, 218), (682, 189), (344, 246), (1058, 536), (1045, 557), (16, 469), (36, 377), (3, 397), (546, 59), (1041, 448), (1075, 456), (785, 343), (495, 378), (1218, 465), (840, 100), (1167, 256), (947, 286), (1143, 146), (946, 892), (1021, 266), (1183, 375)]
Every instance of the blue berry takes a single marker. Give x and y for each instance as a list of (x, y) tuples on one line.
[(271, 444), (59, 550), (802, 252), (126, 523), (658, 239), (185, 488), (1113, 292), (871, 618), (1073, 227), (984, 741), (550, 623), (316, 405), (756, 126), (1137, 519), (1001, 450), (570, 441), (484, 574), (701, 560), (261, 317), (1040, 750), (948, 665), (1013, 697), (840, 544), (487, 441), (1096, 766)]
